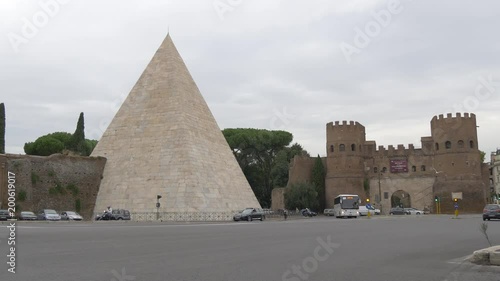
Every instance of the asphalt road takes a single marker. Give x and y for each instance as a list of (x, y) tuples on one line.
[(324, 248)]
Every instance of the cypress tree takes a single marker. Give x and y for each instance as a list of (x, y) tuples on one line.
[(318, 178), (2, 128), (77, 142)]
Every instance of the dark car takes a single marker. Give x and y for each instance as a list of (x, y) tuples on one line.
[(121, 214), (27, 216), (491, 211), (397, 211), (308, 213), (48, 214), (250, 214), (4, 215), (117, 214)]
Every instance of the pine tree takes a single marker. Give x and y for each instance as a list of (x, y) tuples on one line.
[(77, 143), (2, 128), (318, 178)]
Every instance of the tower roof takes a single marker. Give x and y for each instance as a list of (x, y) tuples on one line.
[(165, 141)]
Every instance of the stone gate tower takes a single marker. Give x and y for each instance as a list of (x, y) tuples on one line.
[(165, 141), (345, 162)]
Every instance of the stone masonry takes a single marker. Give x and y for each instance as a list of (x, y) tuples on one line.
[(165, 141)]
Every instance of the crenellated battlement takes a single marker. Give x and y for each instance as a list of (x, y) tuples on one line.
[(394, 151), (351, 132), (345, 125), (450, 118)]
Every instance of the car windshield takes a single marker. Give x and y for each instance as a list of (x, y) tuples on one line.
[(52, 212), (71, 213), (27, 213), (247, 211), (492, 207)]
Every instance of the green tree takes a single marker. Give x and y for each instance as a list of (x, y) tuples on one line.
[(42, 145), (300, 196), (45, 146), (483, 155), (281, 169), (2, 128), (48, 144), (77, 142), (256, 151), (318, 179)]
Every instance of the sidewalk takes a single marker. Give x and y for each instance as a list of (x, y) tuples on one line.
[(488, 256)]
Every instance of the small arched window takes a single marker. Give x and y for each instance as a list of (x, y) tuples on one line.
[(437, 146), (353, 147), (384, 169), (413, 168), (422, 168), (447, 144), (342, 147), (332, 148), (460, 144), (471, 144), (375, 170)]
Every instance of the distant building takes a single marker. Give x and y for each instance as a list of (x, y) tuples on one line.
[(495, 174), (448, 161)]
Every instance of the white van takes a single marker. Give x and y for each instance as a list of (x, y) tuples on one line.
[(363, 210)]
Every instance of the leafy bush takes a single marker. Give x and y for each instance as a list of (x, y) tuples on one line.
[(300, 196), (34, 178), (58, 189), (78, 205), (21, 195), (73, 189)]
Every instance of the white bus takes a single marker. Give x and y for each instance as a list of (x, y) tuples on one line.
[(346, 205)]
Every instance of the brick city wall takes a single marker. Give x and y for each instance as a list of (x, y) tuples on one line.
[(56, 182)]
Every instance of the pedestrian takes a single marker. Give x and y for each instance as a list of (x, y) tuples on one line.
[(285, 213)]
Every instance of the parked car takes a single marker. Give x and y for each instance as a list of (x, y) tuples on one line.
[(121, 214), (397, 211), (5, 215), (27, 216), (491, 211), (328, 212), (364, 210), (70, 215), (117, 214), (249, 214), (413, 211), (308, 213), (48, 214)]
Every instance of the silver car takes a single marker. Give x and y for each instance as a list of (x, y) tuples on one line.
[(413, 211), (48, 214), (70, 215)]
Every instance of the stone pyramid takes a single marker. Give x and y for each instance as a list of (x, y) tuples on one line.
[(165, 141)]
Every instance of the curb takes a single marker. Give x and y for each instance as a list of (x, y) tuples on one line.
[(487, 256)]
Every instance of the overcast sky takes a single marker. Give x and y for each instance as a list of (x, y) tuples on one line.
[(271, 64)]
